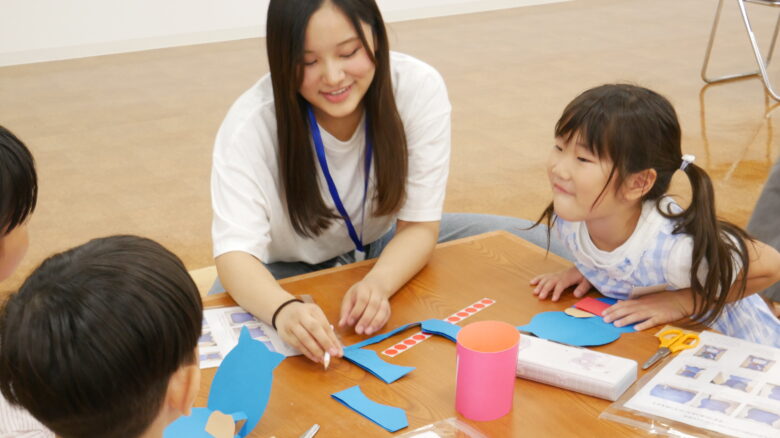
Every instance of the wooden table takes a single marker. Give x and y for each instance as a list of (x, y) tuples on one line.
[(495, 265)]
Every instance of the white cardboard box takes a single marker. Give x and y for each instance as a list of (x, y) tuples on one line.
[(578, 369)]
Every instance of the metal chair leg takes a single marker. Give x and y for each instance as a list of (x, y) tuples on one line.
[(756, 50), (762, 66)]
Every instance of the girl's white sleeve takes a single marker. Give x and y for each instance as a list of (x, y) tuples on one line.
[(425, 110), (239, 179), (18, 423), (679, 264)]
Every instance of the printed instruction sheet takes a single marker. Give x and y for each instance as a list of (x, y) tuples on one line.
[(724, 384), (221, 328)]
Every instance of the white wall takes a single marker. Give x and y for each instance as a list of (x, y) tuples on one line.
[(46, 30)]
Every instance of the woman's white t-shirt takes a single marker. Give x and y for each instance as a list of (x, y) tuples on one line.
[(250, 214)]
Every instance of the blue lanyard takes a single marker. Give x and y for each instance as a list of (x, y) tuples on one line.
[(334, 193)]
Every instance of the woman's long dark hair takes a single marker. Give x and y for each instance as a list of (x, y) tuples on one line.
[(637, 129), (286, 30)]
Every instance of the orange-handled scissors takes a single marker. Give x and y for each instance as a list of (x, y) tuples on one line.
[(672, 341)]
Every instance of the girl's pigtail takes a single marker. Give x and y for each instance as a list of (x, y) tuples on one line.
[(548, 217), (718, 246)]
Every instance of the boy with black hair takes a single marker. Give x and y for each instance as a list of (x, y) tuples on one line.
[(101, 340), (18, 197)]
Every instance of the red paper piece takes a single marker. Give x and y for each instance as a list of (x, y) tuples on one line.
[(592, 305)]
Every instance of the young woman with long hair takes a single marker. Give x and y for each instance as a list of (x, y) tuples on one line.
[(340, 153)]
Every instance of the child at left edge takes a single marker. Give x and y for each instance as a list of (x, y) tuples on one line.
[(18, 198), (75, 286)]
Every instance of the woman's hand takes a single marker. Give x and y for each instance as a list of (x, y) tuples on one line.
[(652, 309), (306, 328), (557, 282), (366, 306)]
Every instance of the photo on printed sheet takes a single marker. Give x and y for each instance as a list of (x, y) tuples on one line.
[(717, 404), (757, 363), (770, 390), (673, 393), (768, 416), (690, 371), (239, 317), (257, 333), (210, 356), (733, 381), (206, 340), (710, 352)]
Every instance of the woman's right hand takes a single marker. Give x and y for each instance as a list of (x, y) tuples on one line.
[(305, 327), (557, 282)]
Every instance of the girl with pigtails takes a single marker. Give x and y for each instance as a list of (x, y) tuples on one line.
[(616, 150)]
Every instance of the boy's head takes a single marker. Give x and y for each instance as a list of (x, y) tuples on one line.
[(18, 195), (100, 341)]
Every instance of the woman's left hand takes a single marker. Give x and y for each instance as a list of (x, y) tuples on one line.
[(365, 306), (652, 309)]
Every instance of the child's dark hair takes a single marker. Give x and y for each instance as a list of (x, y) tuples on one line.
[(18, 182), (637, 129), (92, 338)]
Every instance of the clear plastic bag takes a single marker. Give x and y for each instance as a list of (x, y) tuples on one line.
[(651, 424), (448, 428)]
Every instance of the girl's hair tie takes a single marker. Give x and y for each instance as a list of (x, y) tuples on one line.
[(686, 160)]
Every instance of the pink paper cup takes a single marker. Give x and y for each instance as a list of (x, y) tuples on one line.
[(485, 368)]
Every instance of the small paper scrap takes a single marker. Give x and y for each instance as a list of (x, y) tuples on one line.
[(592, 305)]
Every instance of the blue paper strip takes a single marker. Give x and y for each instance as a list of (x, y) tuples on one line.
[(369, 361), (441, 328), (390, 418), (380, 338)]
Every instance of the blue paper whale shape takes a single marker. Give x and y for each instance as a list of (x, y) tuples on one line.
[(243, 381), (241, 387), (580, 332)]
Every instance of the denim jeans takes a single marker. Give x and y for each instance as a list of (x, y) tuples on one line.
[(453, 226)]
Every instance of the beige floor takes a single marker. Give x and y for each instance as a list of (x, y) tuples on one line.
[(123, 142)]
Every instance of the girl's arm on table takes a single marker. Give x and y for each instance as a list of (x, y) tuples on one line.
[(669, 306), (366, 304)]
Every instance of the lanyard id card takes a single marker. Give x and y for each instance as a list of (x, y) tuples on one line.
[(319, 147)]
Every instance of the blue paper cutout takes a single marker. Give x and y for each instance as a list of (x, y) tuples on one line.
[(194, 425), (441, 328), (435, 326), (580, 332), (390, 418), (369, 361), (241, 386), (380, 338), (387, 372), (607, 300), (243, 380)]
